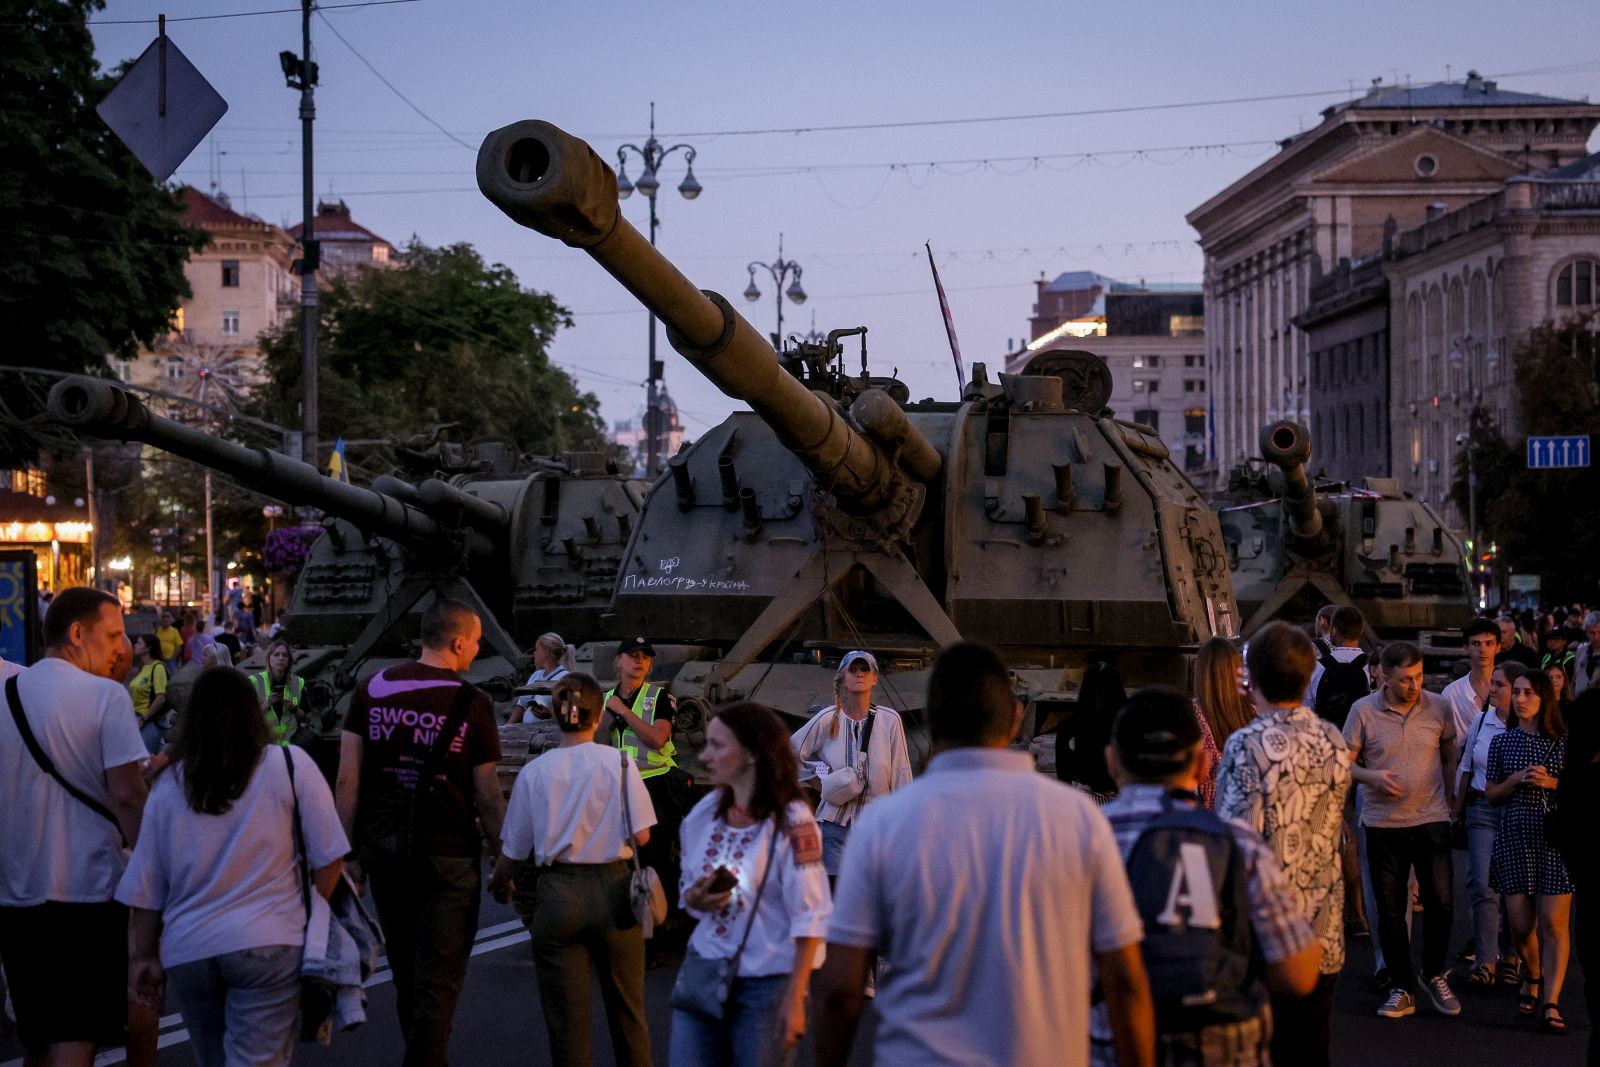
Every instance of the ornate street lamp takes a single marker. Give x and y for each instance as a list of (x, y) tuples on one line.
[(779, 269)]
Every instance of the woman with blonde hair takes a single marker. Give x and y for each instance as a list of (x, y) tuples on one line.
[(552, 659), (1219, 703), (861, 747)]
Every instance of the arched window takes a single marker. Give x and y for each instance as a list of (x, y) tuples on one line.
[(1578, 284)]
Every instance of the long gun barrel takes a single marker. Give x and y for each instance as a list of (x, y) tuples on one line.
[(102, 409), (554, 183), (1288, 445)]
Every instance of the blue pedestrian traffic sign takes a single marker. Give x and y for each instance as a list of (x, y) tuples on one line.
[(1551, 453)]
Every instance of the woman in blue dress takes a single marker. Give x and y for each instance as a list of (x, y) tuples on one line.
[(1525, 763)]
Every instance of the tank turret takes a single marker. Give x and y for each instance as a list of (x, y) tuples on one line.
[(836, 514)]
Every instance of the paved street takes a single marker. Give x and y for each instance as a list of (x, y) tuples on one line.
[(500, 1022)]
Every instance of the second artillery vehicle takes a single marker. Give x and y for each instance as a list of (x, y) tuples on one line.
[(1293, 547), (838, 514)]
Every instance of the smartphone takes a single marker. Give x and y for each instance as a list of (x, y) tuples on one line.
[(722, 880)]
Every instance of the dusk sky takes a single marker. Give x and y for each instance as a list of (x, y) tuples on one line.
[(854, 206)]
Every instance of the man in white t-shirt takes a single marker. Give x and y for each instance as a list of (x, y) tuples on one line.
[(63, 937), (991, 889), (1469, 695), (567, 812)]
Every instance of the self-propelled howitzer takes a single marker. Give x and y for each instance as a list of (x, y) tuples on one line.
[(837, 515), (535, 549), (1293, 548)]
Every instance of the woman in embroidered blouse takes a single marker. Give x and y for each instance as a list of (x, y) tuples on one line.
[(1525, 764), (756, 824)]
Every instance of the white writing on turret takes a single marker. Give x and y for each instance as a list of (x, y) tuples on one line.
[(682, 584)]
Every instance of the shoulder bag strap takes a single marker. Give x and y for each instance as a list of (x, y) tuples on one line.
[(299, 834), (627, 815), (48, 766), (441, 745), (755, 905)]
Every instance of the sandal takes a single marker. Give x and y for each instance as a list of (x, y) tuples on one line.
[(1482, 977), (1526, 1002), (1550, 1020)]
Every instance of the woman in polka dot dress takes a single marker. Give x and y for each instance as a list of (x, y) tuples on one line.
[(753, 877), (1525, 764)]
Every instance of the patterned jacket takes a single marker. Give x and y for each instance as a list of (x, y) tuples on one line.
[(1285, 775)]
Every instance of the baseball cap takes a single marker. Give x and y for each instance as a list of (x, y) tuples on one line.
[(636, 644), (1155, 731), (858, 657)]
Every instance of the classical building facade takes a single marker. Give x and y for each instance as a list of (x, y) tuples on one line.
[(1347, 336), (1465, 289), (1153, 341), (1329, 194)]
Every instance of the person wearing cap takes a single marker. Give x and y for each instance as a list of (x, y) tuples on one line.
[(569, 814), (1158, 760), (862, 747), (640, 724)]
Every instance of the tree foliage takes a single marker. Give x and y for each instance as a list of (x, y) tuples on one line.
[(1535, 516), (443, 338), (95, 249)]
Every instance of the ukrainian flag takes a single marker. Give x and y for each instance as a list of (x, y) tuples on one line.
[(336, 466)]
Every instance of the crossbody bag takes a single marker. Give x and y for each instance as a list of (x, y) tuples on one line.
[(705, 982), (47, 765), (645, 894)]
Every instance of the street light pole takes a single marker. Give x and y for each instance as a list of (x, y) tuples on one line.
[(300, 73), (779, 269), (653, 155)]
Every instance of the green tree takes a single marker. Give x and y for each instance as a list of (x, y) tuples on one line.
[(443, 338), (95, 249), (1535, 517)]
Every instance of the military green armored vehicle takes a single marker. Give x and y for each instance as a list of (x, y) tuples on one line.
[(1293, 547), (534, 544), (839, 514)]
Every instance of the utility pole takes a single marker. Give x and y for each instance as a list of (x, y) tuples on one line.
[(300, 73)]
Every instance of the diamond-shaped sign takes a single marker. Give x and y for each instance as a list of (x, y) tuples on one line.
[(162, 116)]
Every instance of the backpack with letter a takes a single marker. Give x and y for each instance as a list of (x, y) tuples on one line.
[(1192, 890), (1342, 685)]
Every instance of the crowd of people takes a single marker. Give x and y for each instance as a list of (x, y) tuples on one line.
[(1183, 895)]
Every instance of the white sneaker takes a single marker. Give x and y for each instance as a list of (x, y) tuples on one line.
[(1399, 1005), (1439, 995)]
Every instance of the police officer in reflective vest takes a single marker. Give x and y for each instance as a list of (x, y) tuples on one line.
[(640, 724), (282, 694)]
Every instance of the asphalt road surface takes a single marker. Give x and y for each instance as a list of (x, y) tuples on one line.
[(499, 1020)]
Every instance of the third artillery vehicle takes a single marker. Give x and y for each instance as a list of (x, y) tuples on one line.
[(1294, 547)]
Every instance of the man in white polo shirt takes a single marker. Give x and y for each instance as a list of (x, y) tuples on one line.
[(63, 937), (991, 889)]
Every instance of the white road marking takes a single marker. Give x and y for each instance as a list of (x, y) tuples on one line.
[(487, 941)]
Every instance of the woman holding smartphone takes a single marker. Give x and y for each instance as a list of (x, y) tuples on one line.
[(753, 877)]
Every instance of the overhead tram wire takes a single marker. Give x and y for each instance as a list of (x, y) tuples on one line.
[(390, 85), (247, 14)]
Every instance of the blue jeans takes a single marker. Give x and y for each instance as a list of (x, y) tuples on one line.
[(242, 1007), (833, 838), (1483, 819), (745, 1037)]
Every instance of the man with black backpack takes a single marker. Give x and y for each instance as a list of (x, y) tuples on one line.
[(1221, 927), (1341, 676)]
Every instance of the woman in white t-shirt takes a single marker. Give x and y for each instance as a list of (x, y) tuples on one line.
[(215, 881), (862, 749), (552, 659), (753, 876)]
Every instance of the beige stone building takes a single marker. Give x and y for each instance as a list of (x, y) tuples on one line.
[(1330, 194), (241, 287), (1465, 289)]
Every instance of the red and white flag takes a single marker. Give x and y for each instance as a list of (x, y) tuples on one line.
[(949, 323)]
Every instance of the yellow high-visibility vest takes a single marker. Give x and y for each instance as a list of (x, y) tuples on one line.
[(650, 762)]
